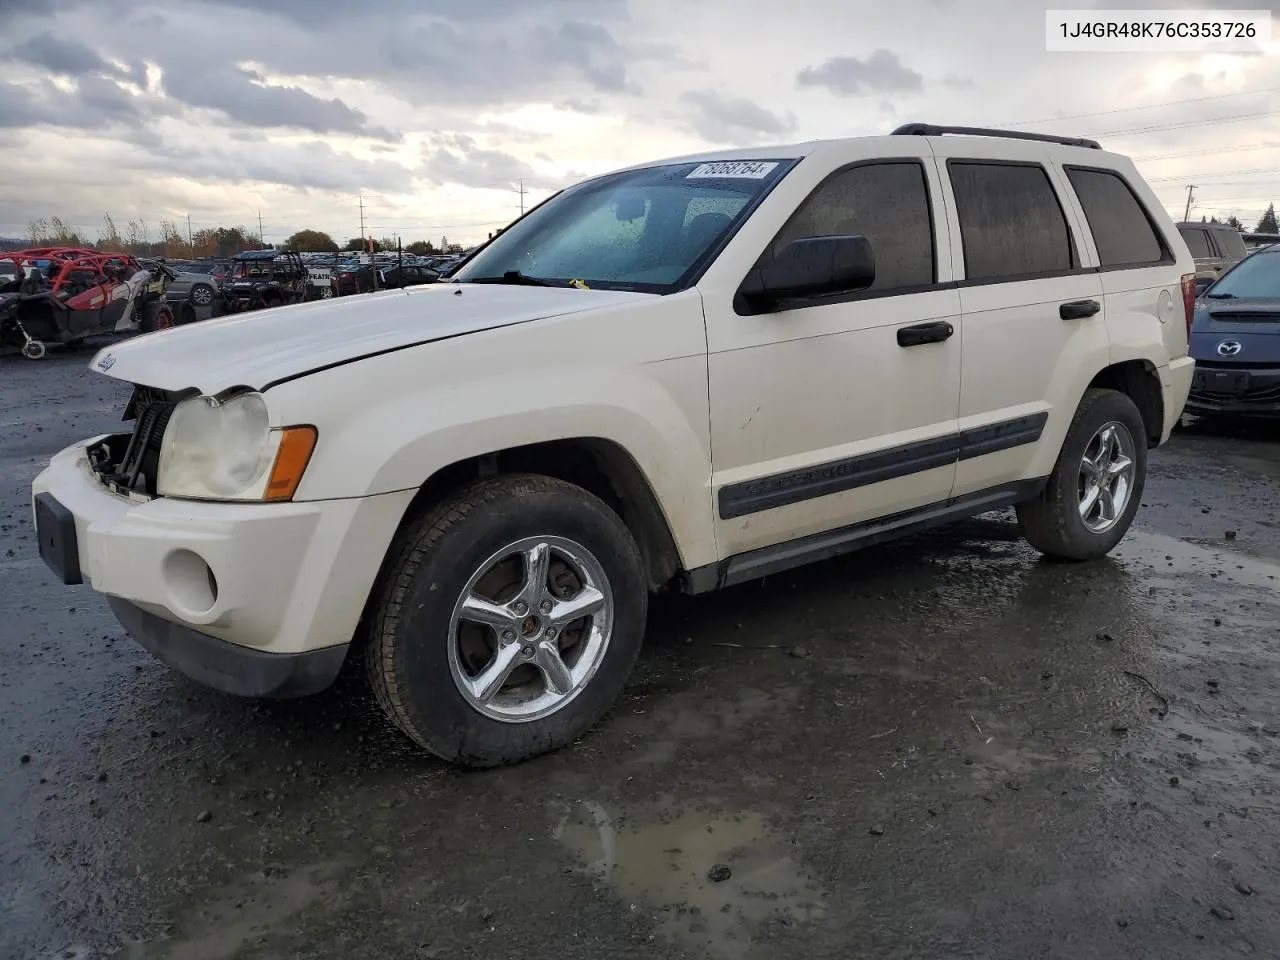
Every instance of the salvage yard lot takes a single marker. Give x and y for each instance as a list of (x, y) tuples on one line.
[(940, 748)]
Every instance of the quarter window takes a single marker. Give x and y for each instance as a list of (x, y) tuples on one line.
[(888, 203), (1198, 244), (1011, 222), (1121, 229)]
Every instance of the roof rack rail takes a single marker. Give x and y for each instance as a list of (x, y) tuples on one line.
[(933, 130)]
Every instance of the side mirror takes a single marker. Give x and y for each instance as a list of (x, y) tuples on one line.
[(812, 267)]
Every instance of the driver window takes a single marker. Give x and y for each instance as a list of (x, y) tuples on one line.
[(888, 203)]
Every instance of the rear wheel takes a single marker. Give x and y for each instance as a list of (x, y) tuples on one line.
[(1096, 485), (201, 295), (508, 620), (156, 316)]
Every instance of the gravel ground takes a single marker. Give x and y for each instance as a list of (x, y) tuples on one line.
[(940, 748)]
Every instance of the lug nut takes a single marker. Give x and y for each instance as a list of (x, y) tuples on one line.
[(527, 651), (521, 607), (546, 606), (508, 635), (551, 633)]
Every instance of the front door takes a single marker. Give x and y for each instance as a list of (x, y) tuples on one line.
[(827, 414)]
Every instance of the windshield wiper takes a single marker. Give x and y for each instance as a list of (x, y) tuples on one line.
[(1221, 296), (516, 278)]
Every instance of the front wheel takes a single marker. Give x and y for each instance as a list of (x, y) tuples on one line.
[(508, 620), (1096, 485), (202, 295)]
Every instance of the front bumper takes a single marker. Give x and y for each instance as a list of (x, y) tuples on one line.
[(1221, 389), (277, 579)]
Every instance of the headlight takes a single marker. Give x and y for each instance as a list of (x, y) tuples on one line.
[(227, 450)]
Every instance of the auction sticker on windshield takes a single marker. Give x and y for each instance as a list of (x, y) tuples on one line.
[(736, 169)]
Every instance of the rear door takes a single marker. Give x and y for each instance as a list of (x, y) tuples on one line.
[(1034, 329)]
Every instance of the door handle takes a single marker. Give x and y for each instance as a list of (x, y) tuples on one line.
[(1079, 309), (935, 332)]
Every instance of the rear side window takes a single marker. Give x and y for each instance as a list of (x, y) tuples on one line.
[(888, 203), (1198, 243), (1011, 222), (1121, 228), (1232, 244)]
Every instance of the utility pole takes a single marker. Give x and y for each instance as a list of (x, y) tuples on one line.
[(262, 236), (1190, 193), (191, 247), (522, 197), (363, 241)]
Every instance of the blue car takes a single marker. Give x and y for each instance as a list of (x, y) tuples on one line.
[(1235, 340)]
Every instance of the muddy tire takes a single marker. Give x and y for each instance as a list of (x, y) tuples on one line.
[(156, 316), (1096, 485), (506, 620)]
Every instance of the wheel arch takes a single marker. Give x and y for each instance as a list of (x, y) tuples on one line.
[(1139, 381), (600, 466)]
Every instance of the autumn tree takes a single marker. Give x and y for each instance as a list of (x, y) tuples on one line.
[(311, 241), (109, 236), (53, 232)]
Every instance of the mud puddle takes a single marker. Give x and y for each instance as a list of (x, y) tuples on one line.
[(714, 881)]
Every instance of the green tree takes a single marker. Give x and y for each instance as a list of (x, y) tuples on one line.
[(1268, 222), (1234, 221), (311, 241), (421, 248), (354, 245)]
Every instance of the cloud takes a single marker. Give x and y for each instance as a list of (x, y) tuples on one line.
[(65, 57), (457, 159), (245, 97), (953, 82), (725, 119), (312, 165), (881, 72), (97, 103)]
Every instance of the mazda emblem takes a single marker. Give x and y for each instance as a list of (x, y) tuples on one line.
[(1228, 348)]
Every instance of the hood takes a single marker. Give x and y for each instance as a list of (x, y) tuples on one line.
[(1254, 324), (265, 346)]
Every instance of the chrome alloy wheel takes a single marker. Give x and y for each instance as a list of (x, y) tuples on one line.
[(530, 629), (1106, 477)]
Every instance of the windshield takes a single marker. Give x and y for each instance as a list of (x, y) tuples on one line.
[(636, 230), (1257, 276)]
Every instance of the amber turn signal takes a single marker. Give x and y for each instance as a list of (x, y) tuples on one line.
[(296, 446)]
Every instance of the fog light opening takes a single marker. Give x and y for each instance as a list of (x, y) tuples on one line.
[(192, 585)]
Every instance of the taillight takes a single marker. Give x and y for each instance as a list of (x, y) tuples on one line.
[(1189, 298)]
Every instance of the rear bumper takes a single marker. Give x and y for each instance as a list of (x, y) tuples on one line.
[(1175, 383)]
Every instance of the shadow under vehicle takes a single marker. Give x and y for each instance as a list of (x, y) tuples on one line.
[(64, 295)]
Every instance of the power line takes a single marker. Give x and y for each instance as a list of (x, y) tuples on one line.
[(1202, 153), (1188, 123), (1150, 106), (1219, 173)]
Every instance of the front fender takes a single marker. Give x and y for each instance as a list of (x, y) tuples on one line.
[(635, 376)]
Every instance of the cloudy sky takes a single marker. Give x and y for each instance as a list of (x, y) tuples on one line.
[(435, 110)]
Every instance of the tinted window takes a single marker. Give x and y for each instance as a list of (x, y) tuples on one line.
[(888, 203), (1231, 244), (1198, 243), (1011, 223), (1120, 227)]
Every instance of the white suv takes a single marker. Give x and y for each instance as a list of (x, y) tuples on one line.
[(684, 374)]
